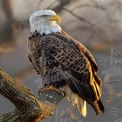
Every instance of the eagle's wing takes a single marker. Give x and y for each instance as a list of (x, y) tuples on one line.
[(75, 66), (85, 51), (34, 52)]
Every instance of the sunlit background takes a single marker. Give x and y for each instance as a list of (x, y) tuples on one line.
[(95, 23)]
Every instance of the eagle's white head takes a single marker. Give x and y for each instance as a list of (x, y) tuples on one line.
[(45, 22)]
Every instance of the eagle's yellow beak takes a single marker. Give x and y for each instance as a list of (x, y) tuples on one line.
[(55, 18)]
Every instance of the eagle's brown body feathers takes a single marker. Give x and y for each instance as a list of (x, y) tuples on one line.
[(64, 62)]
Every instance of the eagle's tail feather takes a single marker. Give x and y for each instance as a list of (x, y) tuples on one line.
[(81, 104), (97, 106), (75, 99), (101, 106)]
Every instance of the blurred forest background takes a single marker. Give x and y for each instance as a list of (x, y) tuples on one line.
[(95, 23)]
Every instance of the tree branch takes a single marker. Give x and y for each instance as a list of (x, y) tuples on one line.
[(28, 107)]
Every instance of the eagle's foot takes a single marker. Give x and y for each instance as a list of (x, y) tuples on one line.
[(48, 88)]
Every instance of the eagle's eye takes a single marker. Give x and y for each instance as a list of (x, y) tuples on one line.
[(44, 15)]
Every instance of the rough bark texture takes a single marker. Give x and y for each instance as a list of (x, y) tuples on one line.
[(28, 107)]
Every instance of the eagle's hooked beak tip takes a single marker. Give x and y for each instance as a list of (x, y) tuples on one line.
[(55, 18)]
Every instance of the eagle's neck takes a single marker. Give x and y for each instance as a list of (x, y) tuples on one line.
[(45, 27)]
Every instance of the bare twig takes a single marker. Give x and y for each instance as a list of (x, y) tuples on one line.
[(93, 25), (59, 7), (88, 5), (78, 17)]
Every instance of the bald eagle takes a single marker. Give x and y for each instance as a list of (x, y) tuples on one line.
[(63, 62)]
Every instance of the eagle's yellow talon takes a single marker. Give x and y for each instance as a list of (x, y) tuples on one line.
[(48, 88)]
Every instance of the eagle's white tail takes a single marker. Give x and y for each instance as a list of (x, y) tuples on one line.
[(75, 99)]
